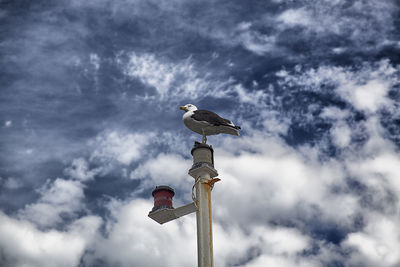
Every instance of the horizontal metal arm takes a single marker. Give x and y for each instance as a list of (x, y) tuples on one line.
[(165, 215)]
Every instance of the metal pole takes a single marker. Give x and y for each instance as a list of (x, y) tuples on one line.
[(203, 172), (204, 224)]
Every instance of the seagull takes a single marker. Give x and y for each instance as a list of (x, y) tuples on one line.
[(206, 122)]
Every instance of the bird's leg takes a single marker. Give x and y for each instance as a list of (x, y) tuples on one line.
[(204, 140)]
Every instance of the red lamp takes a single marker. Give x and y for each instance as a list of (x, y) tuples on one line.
[(162, 197)]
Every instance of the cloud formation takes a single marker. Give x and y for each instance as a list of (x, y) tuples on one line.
[(90, 125), (58, 198), (24, 245)]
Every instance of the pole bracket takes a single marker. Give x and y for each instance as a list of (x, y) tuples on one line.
[(212, 182)]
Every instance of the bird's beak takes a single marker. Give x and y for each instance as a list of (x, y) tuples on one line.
[(183, 108)]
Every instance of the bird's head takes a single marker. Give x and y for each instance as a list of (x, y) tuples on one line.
[(188, 107)]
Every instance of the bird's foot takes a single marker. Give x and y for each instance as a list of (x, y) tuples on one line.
[(204, 140)]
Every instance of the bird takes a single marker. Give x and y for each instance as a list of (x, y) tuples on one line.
[(206, 122)]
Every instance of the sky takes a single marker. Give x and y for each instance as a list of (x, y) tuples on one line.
[(89, 125)]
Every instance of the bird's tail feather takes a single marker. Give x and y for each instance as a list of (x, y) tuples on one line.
[(231, 130)]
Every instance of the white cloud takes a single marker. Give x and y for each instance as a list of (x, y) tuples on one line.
[(79, 170), (334, 113), (266, 181), (263, 180), (288, 183), (278, 261), (172, 81), (273, 122), (377, 142), (295, 17), (369, 97), (172, 244), (246, 35), (125, 148), (256, 42), (169, 169), (232, 245), (257, 98), (24, 245), (12, 183), (60, 197), (378, 244), (283, 241), (95, 61), (134, 239), (359, 21), (283, 177), (366, 25), (341, 135), (378, 167), (365, 88)]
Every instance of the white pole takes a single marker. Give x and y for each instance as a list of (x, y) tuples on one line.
[(204, 222), (203, 172)]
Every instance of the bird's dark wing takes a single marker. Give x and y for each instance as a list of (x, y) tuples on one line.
[(210, 117)]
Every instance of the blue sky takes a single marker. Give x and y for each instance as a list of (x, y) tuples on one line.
[(89, 125)]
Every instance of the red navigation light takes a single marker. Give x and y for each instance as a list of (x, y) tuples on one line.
[(163, 197)]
